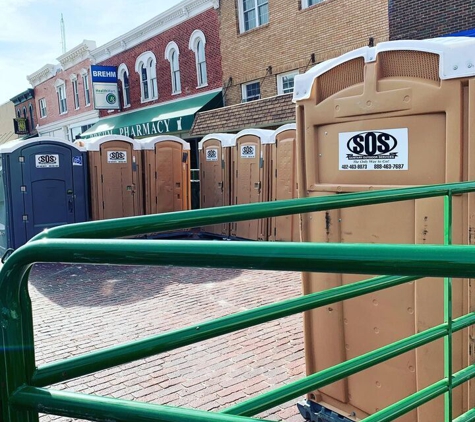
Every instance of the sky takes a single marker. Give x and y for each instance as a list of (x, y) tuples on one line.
[(30, 32)]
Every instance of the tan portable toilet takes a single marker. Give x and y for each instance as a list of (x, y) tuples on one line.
[(215, 173), (250, 155), (283, 180), (167, 174), (115, 168), (398, 114)]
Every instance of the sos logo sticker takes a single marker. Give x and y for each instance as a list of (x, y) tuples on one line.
[(248, 151), (374, 150), (117, 157), (47, 160), (212, 154)]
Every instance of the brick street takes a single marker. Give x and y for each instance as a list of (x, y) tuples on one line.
[(80, 308)]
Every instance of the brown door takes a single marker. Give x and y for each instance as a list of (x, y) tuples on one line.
[(118, 179)]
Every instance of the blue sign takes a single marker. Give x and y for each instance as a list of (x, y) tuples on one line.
[(106, 74)]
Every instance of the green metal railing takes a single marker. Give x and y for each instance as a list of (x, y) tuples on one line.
[(24, 391)]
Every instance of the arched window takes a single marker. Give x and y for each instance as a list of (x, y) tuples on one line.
[(24, 112), (172, 55), (197, 45), (146, 67), (32, 120), (123, 73)]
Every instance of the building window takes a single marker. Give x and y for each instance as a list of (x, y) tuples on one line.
[(285, 82), (87, 92), (172, 55), (308, 3), (197, 45), (61, 92), (32, 119), (18, 113), (251, 91), (123, 73), (74, 83), (42, 104), (145, 66), (253, 13), (24, 112)]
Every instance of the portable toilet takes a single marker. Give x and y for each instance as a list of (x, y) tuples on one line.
[(215, 172), (115, 166), (283, 181), (43, 184), (167, 174), (397, 114), (250, 179)]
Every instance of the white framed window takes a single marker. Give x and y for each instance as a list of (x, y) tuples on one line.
[(85, 84), (123, 73), (18, 113), (197, 45), (32, 119), (172, 54), (61, 93), (308, 3), (253, 13), (42, 104), (74, 83), (285, 82), (24, 112), (251, 91), (145, 66)]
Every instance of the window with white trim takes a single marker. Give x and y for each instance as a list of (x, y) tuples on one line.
[(285, 82), (61, 93), (197, 45), (74, 83), (42, 104), (251, 91), (145, 66), (172, 54), (308, 3), (253, 13), (32, 119), (87, 92), (24, 112), (123, 73)]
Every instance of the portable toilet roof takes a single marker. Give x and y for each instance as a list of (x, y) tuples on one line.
[(16, 143), (283, 128), (456, 59), (265, 135), (94, 144), (149, 143), (227, 139)]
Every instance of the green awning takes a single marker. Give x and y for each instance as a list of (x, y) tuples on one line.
[(174, 117)]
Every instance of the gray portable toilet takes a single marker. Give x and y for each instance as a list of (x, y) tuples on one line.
[(43, 184)]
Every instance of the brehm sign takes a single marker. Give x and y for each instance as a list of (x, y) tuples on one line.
[(105, 88)]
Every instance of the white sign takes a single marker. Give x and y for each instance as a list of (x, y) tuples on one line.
[(248, 151), (385, 149), (47, 160), (212, 154), (117, 157), (106, 96)]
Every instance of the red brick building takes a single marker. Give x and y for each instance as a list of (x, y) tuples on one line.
[(25, 109)]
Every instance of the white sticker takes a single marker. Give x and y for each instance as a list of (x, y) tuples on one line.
[(117, 157), (212, 154), (385, 149), (248, 151), (47, 160)]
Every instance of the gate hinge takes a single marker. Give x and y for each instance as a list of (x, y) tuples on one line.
[(21, 159), (25, 217), (22, 188), (314, 412)]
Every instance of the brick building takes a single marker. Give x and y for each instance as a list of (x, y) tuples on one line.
[(168, 68), (25, 114), (429, 19), (63, 96), (265, 44)]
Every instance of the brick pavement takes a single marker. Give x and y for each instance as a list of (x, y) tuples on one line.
[(79, 308)]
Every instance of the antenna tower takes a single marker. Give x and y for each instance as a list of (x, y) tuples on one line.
[(63, 35)]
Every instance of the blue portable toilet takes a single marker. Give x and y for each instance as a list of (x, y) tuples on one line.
[(43, 184)]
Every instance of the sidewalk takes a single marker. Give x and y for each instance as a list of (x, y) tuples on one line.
[(83, 308)]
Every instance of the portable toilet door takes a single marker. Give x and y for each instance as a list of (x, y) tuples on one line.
[(115, 164), (284, 185), (250, 179), (215, 173), (167, 174), (395, 115), (44, 185)]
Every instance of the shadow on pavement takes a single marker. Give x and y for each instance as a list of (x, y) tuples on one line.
[(102, 285)]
